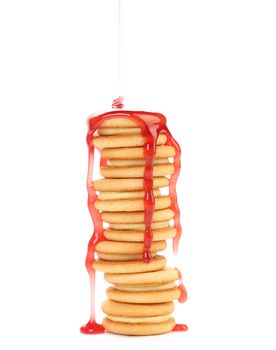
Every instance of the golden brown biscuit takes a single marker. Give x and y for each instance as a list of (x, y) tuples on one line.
[(137, 152), (120, 185), (118, 123), (125, 195), (136, 171), (111, 247), (132, 162), (139, 227), (114, 308), (138, 328), (121, 257), (136, 217), (149, 319), (154, 277), (147, 297), (119, 131), (132, 204), (129, 267), (138, 236), (117, 141), (144, 287)]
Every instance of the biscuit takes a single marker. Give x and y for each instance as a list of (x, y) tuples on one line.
[(153, 277), (138, 297), (121, 185), (119, 131), (138, 328), (136, 171), (132, 204), (111, 247), (117, 141), (125, 195), (121, 257), (118, 123), (136, 217), (138, 236), (129, 267), (132, 162), (149, 319), (144, 287), (137, 152), (114, 308), (154, 225)]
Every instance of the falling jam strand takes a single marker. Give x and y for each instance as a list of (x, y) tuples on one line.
[(183, 292), (92, 327), (172, 184), (172, 188), (182, 298), (118, 103)]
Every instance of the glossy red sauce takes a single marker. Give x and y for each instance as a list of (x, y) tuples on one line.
[(183, 292), (180, 328), (151, 124)]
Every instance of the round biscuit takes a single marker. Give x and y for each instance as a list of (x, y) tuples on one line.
[(126, 195), (119, 131), (111, 247), (137, 152), (132, 162), (138, 328), (132, 204), (129, 267), (138, 236), (118, 141), (144, 287), (114, 308), (149, 319), (154, 277), (136, 217), (147, 297), (118, 123), (121, 185), (121, 257), (139, 227), (136, 171)]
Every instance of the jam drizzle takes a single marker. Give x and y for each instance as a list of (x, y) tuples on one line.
[(152, 125)]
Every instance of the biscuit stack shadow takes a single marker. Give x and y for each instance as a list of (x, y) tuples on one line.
[(140, 300)]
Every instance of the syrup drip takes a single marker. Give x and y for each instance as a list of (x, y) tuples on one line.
[(149, 201), (182, 298), (180, 328), (152, 124), (183, 292), (118, 103), (92, 327)]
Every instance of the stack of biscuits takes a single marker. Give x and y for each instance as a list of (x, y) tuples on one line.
[(140, 300)]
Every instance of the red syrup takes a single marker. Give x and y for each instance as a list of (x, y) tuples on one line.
[(180, 328), (183, 292), (151, 124), (182, 298)]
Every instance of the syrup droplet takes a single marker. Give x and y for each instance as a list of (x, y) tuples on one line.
[(146, 256), (183, 292), (180, 328), (118, 103)]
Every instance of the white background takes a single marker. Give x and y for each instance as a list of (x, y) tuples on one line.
[(210, 67)]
